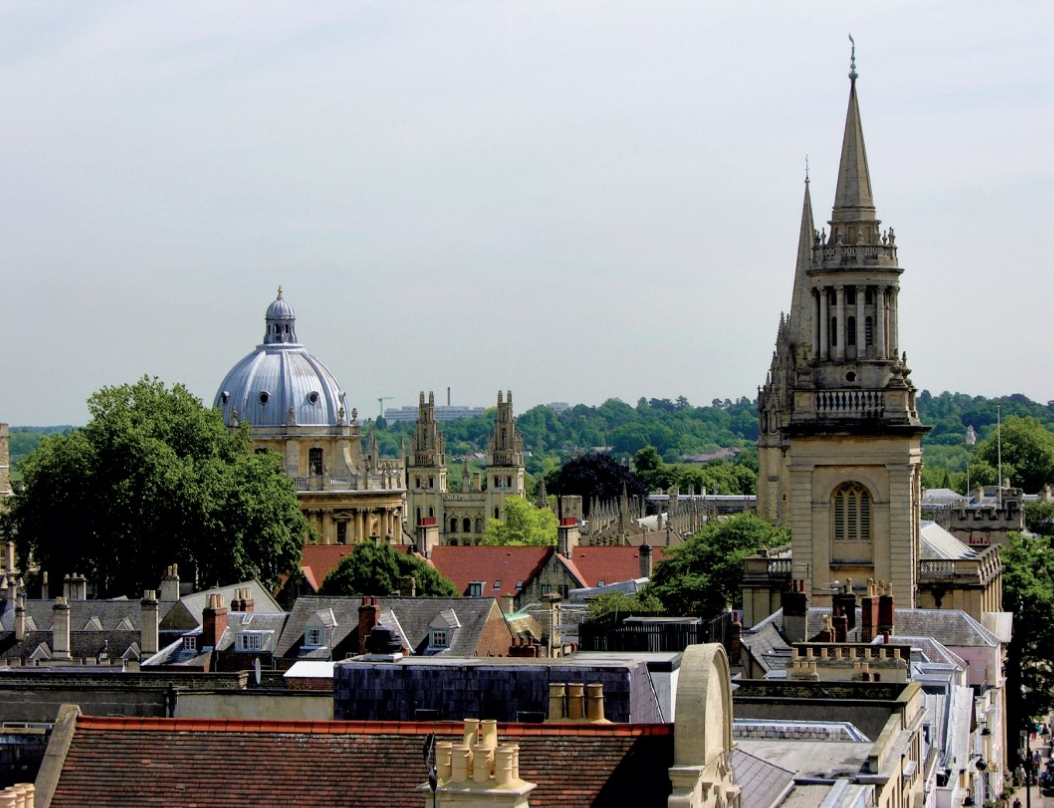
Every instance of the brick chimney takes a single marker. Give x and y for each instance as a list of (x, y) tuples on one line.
[(427, 535), (645, 561), (846, 602), (170, 584), (20, 617), (869, 613), (885, 610), (213, 621), (795, 605), (148, 622), (60, 629), (369, 617)]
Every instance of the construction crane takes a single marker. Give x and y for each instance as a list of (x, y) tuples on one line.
[(381, 400)]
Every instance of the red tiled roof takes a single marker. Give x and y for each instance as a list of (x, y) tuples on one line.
[(592, 565), (156, 762), (504, 565), (319, 560)]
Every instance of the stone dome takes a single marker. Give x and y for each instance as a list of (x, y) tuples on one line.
[(279, 376)]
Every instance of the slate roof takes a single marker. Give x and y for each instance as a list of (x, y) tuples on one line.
[(413, 615), (156, 762), (111, 614), (83, 644), (186, 613), (762, 783), (937, 543), (504, 566)]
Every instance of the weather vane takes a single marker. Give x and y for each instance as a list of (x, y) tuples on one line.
[(806, 168), (852, 59)]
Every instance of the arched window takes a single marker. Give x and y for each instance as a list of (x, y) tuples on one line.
[(851, 513), (418, 516), (850, 331), (497, 513), (453, 524), (466, 525), (479, 524)]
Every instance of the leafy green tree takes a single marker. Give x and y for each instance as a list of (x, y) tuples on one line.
[(1028, 451), (1028, 592), (1039, 517), (155, 478), (704, 575), (524, 524), (380, 570), (595, 476), (652, 470), (616, 601)]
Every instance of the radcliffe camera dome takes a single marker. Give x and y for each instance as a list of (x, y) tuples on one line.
[(278, 376)]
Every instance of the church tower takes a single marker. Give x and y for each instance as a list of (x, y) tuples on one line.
[(505, 471), (840, 440), (426, 468)]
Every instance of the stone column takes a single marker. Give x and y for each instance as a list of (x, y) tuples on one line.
[(839, 313), (894, 337), (880, 321), (861, 348), (825, 342)]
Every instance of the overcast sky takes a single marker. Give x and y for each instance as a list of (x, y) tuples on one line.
[(572, 200)]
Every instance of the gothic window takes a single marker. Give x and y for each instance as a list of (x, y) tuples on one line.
[(497, 513), (850, 331), (869, 331), (466, 525), (453, 524), (431, 512), (851, 509), (418, 516), (479, 524), (314, 461), (834, 331)]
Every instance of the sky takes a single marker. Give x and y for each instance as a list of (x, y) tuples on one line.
[(573, 200)]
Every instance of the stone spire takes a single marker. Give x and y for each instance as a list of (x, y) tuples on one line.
[(852, 199), (800, 326)]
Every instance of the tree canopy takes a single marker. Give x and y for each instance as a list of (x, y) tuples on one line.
[(155, 478), (1028, 592), (524, 525), (594, 476), (373, 570), (1028, 453), (704, 575)]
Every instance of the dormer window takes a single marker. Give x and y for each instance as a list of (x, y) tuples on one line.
[(475, 589), (250, 641), (439, 638), (314, 637), (190, 643), (497, 584)]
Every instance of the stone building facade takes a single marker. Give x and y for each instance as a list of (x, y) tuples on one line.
[(462, 515)]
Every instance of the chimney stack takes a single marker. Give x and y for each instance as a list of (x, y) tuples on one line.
[(20, 617), (645, 561), (869, 613), (846, 601), (213, 621), (795, 612), (885, 610), (427, 535), (170, 584), (508, 604), (369, 617), (60, 629), (148, 622), (567, 536)]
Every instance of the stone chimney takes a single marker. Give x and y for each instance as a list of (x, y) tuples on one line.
[(478, 772), (76, 587), (885, 610), (213, 621), (869, 613), (170, 584), (148, 623), (845, 601), (242, 600), (795, 605), (369, 617), (567, 536), (427, 535), (20, 617), (60, 629), (645, 561), (11, 567), (576, 701)]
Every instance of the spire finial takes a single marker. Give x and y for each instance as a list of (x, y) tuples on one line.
[(806, 169), (852, 59), (279, 290)]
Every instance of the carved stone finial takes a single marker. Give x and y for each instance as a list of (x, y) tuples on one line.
[(279, 290), (852, 59)]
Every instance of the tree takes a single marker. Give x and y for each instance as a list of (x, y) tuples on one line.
[(1028, 452), (1028, 592), (595, 476), (524, 525), (373, 570), (1039, 517), (616, 601), (155, 478), (704, 575), (653, 472)]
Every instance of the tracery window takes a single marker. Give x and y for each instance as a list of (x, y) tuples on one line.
[(851, 511)]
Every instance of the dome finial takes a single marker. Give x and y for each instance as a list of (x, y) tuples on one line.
[(852, 59), (279, 290)]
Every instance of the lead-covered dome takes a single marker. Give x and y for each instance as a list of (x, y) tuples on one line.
[(279, 376)]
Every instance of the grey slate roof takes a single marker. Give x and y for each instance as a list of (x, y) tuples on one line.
[(763, 784), (110, 614), (413, 615), (83, 645), (186, 613)]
